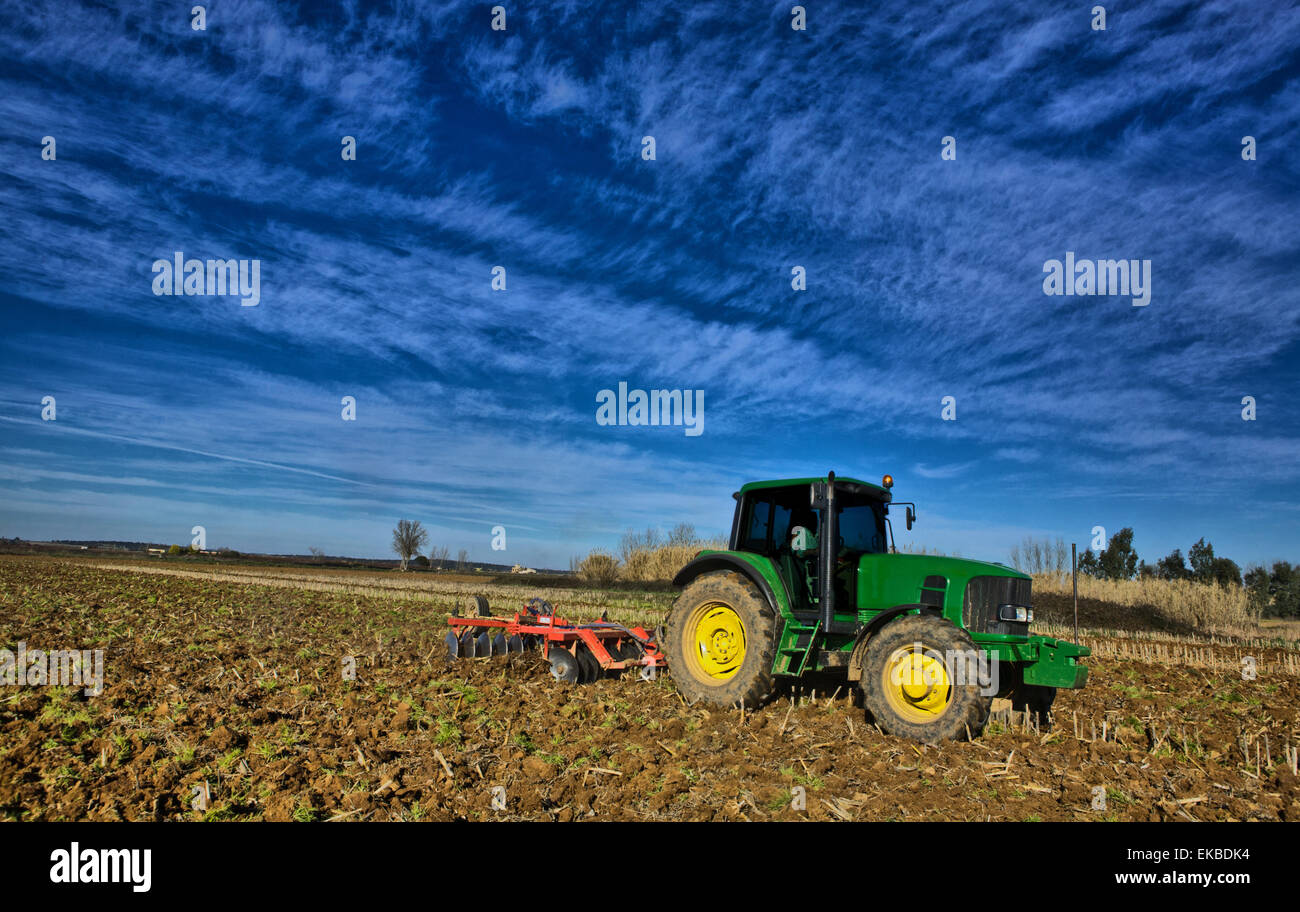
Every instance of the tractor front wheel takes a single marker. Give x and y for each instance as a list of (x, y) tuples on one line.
[(720, 641), (915, 680)]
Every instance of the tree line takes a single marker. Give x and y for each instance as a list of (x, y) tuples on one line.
[(1273, 591)]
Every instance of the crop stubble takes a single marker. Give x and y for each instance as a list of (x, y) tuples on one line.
[(235, 691)]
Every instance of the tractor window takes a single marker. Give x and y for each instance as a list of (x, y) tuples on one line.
[(760, 521), (862, 529), (767, 523), (780, 525)]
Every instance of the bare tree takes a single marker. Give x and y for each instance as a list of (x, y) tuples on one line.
[(638, 541), (462, 559), (439, 555), (316, 552), (408, 539), (1062, 559), (682, 534)]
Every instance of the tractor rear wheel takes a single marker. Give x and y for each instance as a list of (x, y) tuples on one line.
[(913, 683), (720, 641)]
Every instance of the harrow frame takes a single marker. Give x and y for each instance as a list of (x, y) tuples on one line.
[(615, 647)]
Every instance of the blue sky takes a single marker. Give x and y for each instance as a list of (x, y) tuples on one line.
[(775, 148)]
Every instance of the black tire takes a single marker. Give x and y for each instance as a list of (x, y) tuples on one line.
[(751, 681), (564, 667), (1036, 700), (959, 708)]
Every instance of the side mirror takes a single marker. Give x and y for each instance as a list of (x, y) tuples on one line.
[(911, 518)]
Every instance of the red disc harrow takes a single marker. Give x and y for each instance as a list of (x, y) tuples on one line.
[(577, 652)]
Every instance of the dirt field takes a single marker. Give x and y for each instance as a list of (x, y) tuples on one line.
[(235, 690)]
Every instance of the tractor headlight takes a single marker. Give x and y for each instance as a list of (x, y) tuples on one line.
[(1021, 614)]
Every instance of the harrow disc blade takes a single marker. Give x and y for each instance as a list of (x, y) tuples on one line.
[(515, 644), (499, 645), (483, 646), (587, 662), (467, 646), (453, 646), (564, 667)]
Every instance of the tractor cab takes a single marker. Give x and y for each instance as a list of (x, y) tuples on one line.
[(790, 523)]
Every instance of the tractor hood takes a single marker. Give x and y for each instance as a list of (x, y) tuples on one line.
[(889, 580), (953, 567)]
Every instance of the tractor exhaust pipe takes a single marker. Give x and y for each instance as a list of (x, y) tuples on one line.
[(829, 546)]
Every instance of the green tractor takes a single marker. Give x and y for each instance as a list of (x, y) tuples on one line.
[(812, 584)]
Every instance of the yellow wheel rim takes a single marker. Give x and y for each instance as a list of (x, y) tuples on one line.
[(916, 684), (716, 641)]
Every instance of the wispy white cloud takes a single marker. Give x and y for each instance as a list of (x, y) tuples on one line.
[(775, 148)]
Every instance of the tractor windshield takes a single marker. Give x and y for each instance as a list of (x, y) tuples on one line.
[(768, 518), (862, 527)]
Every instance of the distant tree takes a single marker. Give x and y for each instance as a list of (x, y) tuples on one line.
[(439, 555), (1145, 570), (682, 534), (1088, 563), (1257, 590), (1040, 559), (1225, 572), (316, 552), (1031, 555), (1061, 555), (1034, 556), (1201, 557), (1285, 583), (175, 550), (1275, 592), (1172, 566), (408, 538), (1285, 580), (462, 559), (638, 541), (1119, 560), (1207, 568), (421, 561)]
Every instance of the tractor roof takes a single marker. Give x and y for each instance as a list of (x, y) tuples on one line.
[(850, 484)]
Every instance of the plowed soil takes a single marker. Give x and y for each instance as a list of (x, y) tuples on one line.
[(230, 700)]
